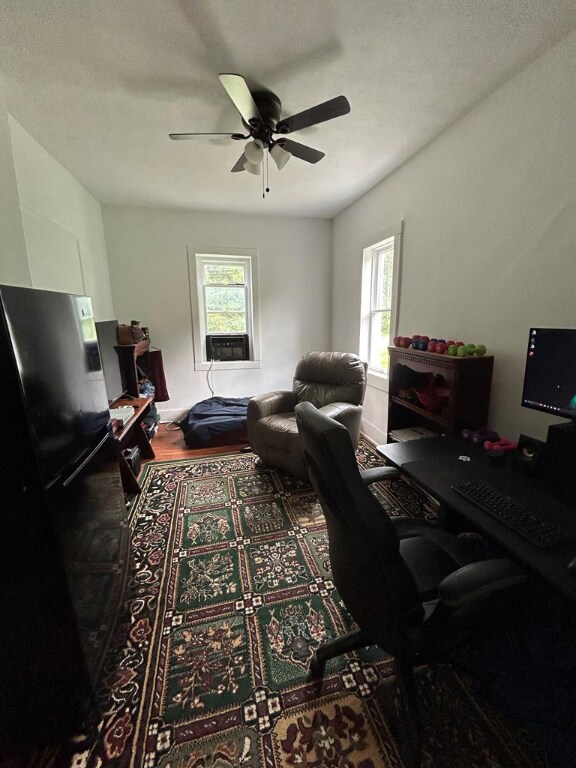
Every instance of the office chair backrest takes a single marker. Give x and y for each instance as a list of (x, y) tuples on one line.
[(367, 568)]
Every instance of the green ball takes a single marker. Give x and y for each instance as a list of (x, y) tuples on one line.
[(461, 351), (453, 350), (481, 350)]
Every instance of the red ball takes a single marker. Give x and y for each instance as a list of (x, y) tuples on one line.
[(441, 347)]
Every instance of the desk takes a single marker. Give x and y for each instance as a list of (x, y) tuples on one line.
[(435, 465), (132, 433)]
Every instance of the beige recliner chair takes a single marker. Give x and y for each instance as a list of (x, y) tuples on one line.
[(332, 381)]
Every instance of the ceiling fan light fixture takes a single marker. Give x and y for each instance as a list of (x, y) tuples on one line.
[(280, 156), (252, 167), (254, 152)]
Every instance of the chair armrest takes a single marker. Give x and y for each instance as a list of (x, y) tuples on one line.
[(347, 414), (338, 410), (375, 474), (478, 581), (269, 403)]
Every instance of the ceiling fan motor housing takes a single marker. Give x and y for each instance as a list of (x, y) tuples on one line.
[(269, 107)]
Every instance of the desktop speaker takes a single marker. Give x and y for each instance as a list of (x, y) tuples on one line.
[(560, 465), (530, 455)]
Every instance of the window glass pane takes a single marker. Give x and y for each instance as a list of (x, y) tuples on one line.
[(225, 299), (224, 274), (225, 322), (384, 275), (379, 340)]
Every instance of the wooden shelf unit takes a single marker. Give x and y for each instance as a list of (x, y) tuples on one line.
[(468, 379), (128, 355), (129, 435)]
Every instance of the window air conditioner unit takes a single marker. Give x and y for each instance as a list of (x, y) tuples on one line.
[(224, 347)]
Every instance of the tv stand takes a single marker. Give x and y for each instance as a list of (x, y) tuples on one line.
[(129, 435)]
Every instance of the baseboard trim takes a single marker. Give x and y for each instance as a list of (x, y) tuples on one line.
[(168, 415), (373, 434)]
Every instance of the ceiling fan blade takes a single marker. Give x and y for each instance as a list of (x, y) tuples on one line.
[(301, 150), (183, 136), (239, 163), (239, 92), (318, 114)]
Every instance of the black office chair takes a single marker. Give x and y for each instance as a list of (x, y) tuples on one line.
[(413, 589)]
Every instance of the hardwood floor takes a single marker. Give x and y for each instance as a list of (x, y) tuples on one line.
[(169, 444)]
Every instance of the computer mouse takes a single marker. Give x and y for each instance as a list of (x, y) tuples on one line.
[(572, 565)]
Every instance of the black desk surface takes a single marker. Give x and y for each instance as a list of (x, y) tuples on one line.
[(435, 464)]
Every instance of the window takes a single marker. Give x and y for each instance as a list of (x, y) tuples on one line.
[(379, 299), (225, 286), (224, 298)]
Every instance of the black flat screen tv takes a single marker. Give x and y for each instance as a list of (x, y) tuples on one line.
[(107, 332), (54, 348), (550, 372)]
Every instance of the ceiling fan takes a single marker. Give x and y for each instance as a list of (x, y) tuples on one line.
[(260, 113)]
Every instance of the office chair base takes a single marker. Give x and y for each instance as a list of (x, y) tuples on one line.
[(412, 728), (352, 641)]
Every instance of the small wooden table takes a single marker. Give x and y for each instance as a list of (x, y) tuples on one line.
[(129, 435)]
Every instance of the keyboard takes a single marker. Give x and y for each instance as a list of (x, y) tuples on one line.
[(527, 523)]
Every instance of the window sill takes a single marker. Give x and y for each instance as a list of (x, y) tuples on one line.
[(378, 380), (232, 365)]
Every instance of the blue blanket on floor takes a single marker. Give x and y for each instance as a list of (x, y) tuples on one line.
[(216, 421)]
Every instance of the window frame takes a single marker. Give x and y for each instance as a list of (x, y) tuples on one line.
[(201, 262), (371, 251), (248, 258)]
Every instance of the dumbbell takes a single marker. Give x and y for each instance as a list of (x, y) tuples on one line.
[(501, 445), (479, 436)]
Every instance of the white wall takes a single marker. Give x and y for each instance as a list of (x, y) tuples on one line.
[(147, 251), (13, 264), (65, 246), (490, 233)]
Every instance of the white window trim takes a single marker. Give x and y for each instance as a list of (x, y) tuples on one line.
[(249, 255), (379, 379)]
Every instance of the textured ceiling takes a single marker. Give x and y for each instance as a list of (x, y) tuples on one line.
[(101, 84)]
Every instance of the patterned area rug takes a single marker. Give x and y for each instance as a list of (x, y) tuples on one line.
[(230, 594)]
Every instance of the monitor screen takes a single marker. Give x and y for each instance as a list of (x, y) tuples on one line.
[(550, 373), (52, 339), (107, 332)]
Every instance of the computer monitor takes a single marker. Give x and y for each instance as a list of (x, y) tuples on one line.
[(550, 372), (107, 333)]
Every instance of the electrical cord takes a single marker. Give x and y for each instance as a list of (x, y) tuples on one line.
[(169, 426), (210, 370)]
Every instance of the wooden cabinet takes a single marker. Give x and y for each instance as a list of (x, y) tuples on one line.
[(465, 381)]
